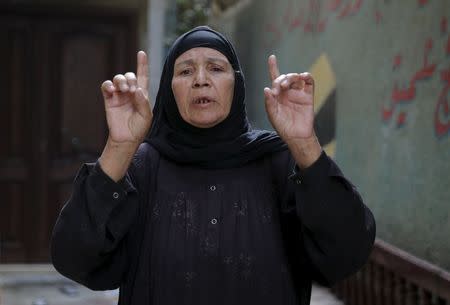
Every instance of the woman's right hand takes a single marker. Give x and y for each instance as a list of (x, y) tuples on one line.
[(128, 112), (129, 117)]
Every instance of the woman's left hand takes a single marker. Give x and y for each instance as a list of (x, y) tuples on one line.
[(290, 103), (290, 107)]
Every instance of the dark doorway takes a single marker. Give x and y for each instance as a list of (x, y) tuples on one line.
[(51, 112)]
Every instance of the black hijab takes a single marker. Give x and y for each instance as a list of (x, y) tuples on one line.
[(232, 142)]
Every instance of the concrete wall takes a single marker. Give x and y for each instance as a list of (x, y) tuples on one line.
[(391, 65)]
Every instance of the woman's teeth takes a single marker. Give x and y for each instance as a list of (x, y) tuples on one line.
[(202, 101)]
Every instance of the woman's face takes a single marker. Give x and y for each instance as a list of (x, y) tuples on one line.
[(203, 86)]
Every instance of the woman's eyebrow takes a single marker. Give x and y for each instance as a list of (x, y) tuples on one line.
[(209, 59), (216, 59), (185, 62)]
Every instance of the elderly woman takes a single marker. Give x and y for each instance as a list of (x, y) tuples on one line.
[(190, 205)]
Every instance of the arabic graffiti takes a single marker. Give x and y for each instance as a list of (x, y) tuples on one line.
[(441, 111), (407, 95), (349, 9), (378, 15), (275, 32), (310, 17), (444, 24)]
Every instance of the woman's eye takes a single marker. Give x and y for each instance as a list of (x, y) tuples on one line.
[(217, 69), (185, 72)]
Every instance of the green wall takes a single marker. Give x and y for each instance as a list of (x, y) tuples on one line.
[(399, 162)]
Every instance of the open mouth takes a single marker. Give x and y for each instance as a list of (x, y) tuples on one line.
[(203, 101)]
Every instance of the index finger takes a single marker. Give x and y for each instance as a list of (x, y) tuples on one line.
[(273, 67), (142, 70)]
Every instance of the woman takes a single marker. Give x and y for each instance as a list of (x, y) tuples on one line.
[(208, 210)]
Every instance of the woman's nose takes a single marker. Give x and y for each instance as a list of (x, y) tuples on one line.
[(201, 79)]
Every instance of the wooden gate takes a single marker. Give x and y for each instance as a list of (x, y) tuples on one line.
[(51, 112)]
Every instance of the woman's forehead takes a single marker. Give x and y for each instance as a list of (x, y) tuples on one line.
[(200, 53)]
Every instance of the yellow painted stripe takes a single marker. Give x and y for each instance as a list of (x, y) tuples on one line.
[(330, 148), (324, 80)]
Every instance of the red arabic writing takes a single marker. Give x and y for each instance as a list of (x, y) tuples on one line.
[(309, 17), (406, 95)]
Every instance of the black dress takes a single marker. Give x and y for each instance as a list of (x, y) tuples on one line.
[(170, 234)]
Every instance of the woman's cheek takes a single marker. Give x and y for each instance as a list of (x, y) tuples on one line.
[(180, 97)]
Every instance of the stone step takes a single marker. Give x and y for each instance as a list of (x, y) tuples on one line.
[(323, 296), (32, 284)]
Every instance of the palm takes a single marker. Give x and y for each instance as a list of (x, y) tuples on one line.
[(294, 114), (125, 123), (127, 108), (290, 103)]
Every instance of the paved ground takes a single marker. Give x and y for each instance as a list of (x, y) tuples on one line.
[(322, 296), (42, 285)]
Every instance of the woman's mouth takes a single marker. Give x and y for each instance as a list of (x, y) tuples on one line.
[(203, 101)]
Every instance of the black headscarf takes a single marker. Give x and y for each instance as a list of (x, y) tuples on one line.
[(232, 142)]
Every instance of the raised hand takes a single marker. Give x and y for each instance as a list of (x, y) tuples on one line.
[(290, 108), (127, 107), (290, 103), (128, 115)]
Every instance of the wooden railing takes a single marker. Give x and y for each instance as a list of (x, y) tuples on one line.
[(395, 277)]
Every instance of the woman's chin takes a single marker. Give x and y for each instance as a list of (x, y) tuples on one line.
[(206, 121)]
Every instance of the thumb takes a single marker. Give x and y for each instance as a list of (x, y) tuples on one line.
[(270, 103), (141, 103)]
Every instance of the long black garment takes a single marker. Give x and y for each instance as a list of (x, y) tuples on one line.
[(257, 234)]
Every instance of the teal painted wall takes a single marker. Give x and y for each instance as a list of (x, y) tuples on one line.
[(400, 161)]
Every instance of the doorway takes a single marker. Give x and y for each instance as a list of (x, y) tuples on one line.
[(51, 112)]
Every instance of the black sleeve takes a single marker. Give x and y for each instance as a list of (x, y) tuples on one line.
[(338, 230), (88, 244)]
